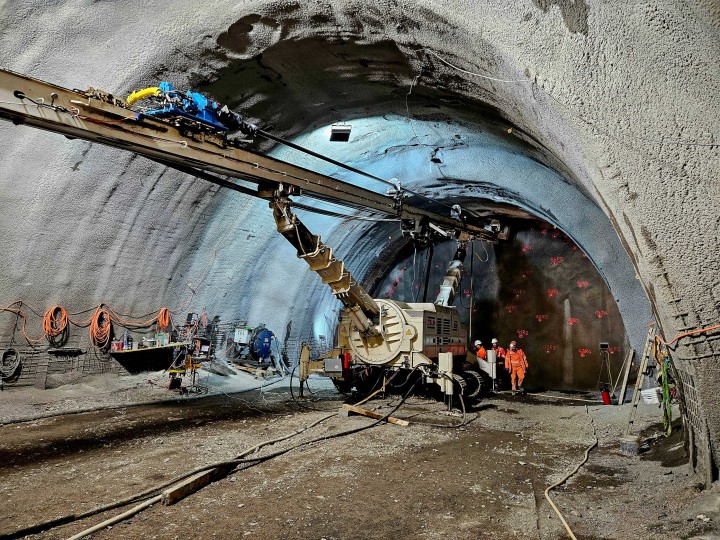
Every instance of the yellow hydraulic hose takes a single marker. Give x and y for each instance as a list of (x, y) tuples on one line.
[(142, 94)]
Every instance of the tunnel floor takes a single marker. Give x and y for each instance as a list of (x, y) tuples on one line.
[(483, 480)]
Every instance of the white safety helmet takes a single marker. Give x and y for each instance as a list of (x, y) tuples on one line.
[(478, 342), (494, 341)]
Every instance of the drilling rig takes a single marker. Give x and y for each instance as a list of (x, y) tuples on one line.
[(377, 338)]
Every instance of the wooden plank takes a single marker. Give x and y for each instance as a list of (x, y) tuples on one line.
[(257, 372), (188, 486), (623, 388), (376, 416), (155, 348)]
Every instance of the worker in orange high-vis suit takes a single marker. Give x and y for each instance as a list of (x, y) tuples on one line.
[(480, 350), (516, 364)]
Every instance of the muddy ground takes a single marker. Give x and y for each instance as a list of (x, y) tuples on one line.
[(483, 480)]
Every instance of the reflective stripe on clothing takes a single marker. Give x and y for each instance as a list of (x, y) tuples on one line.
[(515, 359)]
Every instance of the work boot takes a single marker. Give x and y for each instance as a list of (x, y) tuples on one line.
[(521, 390)]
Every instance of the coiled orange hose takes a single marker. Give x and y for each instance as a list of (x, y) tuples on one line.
[(101, 328), (164, 319), (55, 321)]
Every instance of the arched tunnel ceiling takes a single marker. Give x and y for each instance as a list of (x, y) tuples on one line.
[(619, 103)]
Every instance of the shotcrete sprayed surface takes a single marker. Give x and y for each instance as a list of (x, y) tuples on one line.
[(606, 95)]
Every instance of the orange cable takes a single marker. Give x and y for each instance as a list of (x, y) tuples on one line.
[(127, 322), (101, 327), (164, 319), (690, 333), (19, 312), (55, 321)]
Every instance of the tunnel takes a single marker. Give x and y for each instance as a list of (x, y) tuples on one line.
[(590, 131)]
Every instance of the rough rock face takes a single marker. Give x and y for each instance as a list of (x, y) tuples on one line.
[(617, 101)]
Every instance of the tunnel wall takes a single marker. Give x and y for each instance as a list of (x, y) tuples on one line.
[(621, 100)]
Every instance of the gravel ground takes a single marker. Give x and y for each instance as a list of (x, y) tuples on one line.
[(483, 480)]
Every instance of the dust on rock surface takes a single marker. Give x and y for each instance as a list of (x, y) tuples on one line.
[(483, 480)]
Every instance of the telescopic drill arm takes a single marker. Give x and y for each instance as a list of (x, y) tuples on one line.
[(360, 307)]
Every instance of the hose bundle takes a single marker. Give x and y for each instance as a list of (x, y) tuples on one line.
[(55, 326), (101, 328), (164, 319), (10, 365)]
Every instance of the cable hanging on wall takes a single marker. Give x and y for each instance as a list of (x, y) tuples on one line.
[(101, 328), (55, 326)]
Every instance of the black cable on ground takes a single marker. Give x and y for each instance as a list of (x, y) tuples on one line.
[(296, 401), (230, 465), (50, 524), (463, 421)]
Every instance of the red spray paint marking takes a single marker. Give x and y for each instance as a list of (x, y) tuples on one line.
[(583, 284), (552, 292), (522, 333), (613, 350), (600, 314), (572, 320), (584, 352), (526, 248), (554, 261), (510, 308), (541, 318), (574, 248), (550, 348), (466, 292)]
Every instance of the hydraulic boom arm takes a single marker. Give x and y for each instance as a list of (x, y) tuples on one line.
[(100, 117), (359, 306)]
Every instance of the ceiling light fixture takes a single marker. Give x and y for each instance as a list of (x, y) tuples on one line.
[(340, 132)]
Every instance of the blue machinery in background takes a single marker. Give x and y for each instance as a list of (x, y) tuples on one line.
[(190, 105), (261, 344), (257, 346), (192, 108)]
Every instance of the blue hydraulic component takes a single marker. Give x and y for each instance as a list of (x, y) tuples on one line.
[(190, 105), (261, 346)]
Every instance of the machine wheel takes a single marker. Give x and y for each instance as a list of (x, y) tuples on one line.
[(461, 383), (475, 383)]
